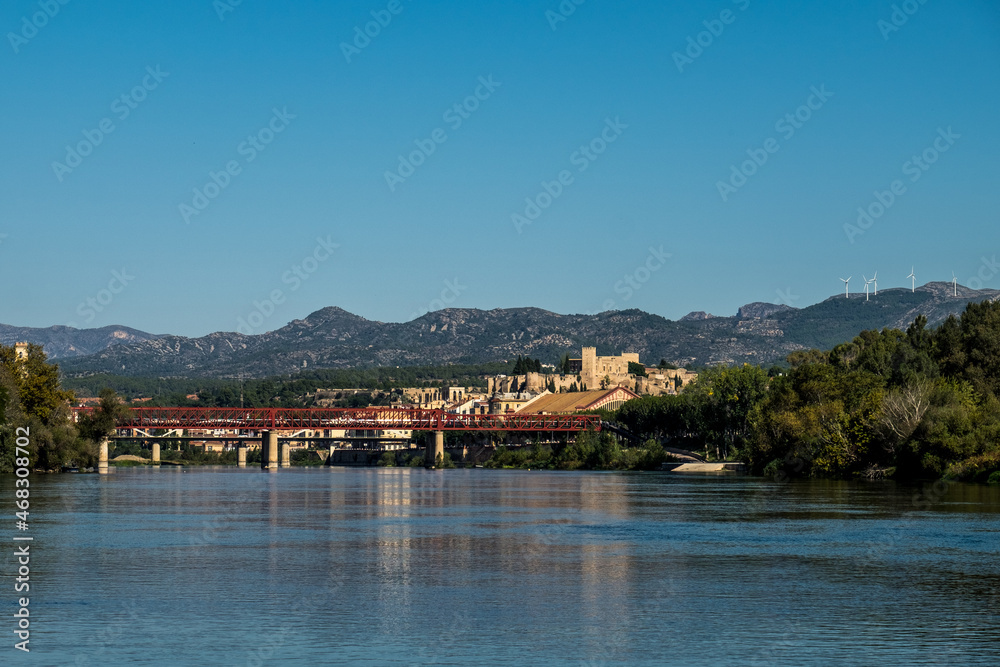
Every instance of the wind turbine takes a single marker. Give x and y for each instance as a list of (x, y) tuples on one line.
[(954, 282), (847, 291), (875, 280), (867, 283), (913, 281)]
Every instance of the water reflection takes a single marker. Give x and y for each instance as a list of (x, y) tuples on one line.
[(506, 567)]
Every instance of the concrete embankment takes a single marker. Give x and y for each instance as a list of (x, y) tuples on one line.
[(722, 466)]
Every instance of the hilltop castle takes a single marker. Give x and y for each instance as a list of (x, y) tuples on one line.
[(590, 371)]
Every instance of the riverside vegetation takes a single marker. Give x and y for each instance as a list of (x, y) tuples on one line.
[(917, 404)]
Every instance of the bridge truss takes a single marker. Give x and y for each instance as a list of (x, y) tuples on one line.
[(375, 418)]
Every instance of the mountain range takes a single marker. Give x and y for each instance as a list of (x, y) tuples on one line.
[(61, 342), (760, 333)]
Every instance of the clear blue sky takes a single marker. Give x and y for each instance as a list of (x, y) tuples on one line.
[(610, 68)]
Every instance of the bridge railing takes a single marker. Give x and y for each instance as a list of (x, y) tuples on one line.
[(380, 418)]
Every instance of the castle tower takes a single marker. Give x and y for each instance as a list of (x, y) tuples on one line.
[(588, 368)]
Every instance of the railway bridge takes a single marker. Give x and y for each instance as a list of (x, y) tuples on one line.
[(267, 424)]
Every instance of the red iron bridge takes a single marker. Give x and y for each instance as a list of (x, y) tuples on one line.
[(294, 419)]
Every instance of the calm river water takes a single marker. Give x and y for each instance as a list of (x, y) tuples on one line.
[(222, 566)]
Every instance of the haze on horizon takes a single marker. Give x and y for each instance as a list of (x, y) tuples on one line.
[(189, 164)]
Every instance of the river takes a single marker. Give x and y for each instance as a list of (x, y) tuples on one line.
[(221, 566)]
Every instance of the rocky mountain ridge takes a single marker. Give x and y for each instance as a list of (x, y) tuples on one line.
[(760, 333)]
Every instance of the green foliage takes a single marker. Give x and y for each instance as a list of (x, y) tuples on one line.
[(588, 451), (912, 405), (564, 364), (526, 365), (37, 383), (195, 455), (101, 423), (636, 369), (32, 398), (919, 404), (444, 461), (289, 390)]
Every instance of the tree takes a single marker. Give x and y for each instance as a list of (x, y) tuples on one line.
[(37, 382), (564, 364), (805, 357), (726, 397), (101, 422), (10, 416), (981, 341), (903, 409), (636, 369), (42, 407), (525, 365), (948, 347)]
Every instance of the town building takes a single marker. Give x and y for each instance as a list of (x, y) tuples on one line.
[(591, 372), (578, 401)]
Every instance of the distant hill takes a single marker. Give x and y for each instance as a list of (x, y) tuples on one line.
[(61, 342), (334, 338)]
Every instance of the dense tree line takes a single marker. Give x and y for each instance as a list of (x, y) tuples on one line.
[(588, 451), (910, 405), (525, 365), (288, 390), (31, 397)]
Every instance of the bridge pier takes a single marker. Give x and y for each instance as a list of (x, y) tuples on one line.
[(329, 458), (435, 448), (241, 457), (102, 457), (286, 456), (268, 450), (155, 452)]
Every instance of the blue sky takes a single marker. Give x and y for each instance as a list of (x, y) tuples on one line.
[(641, 124)]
